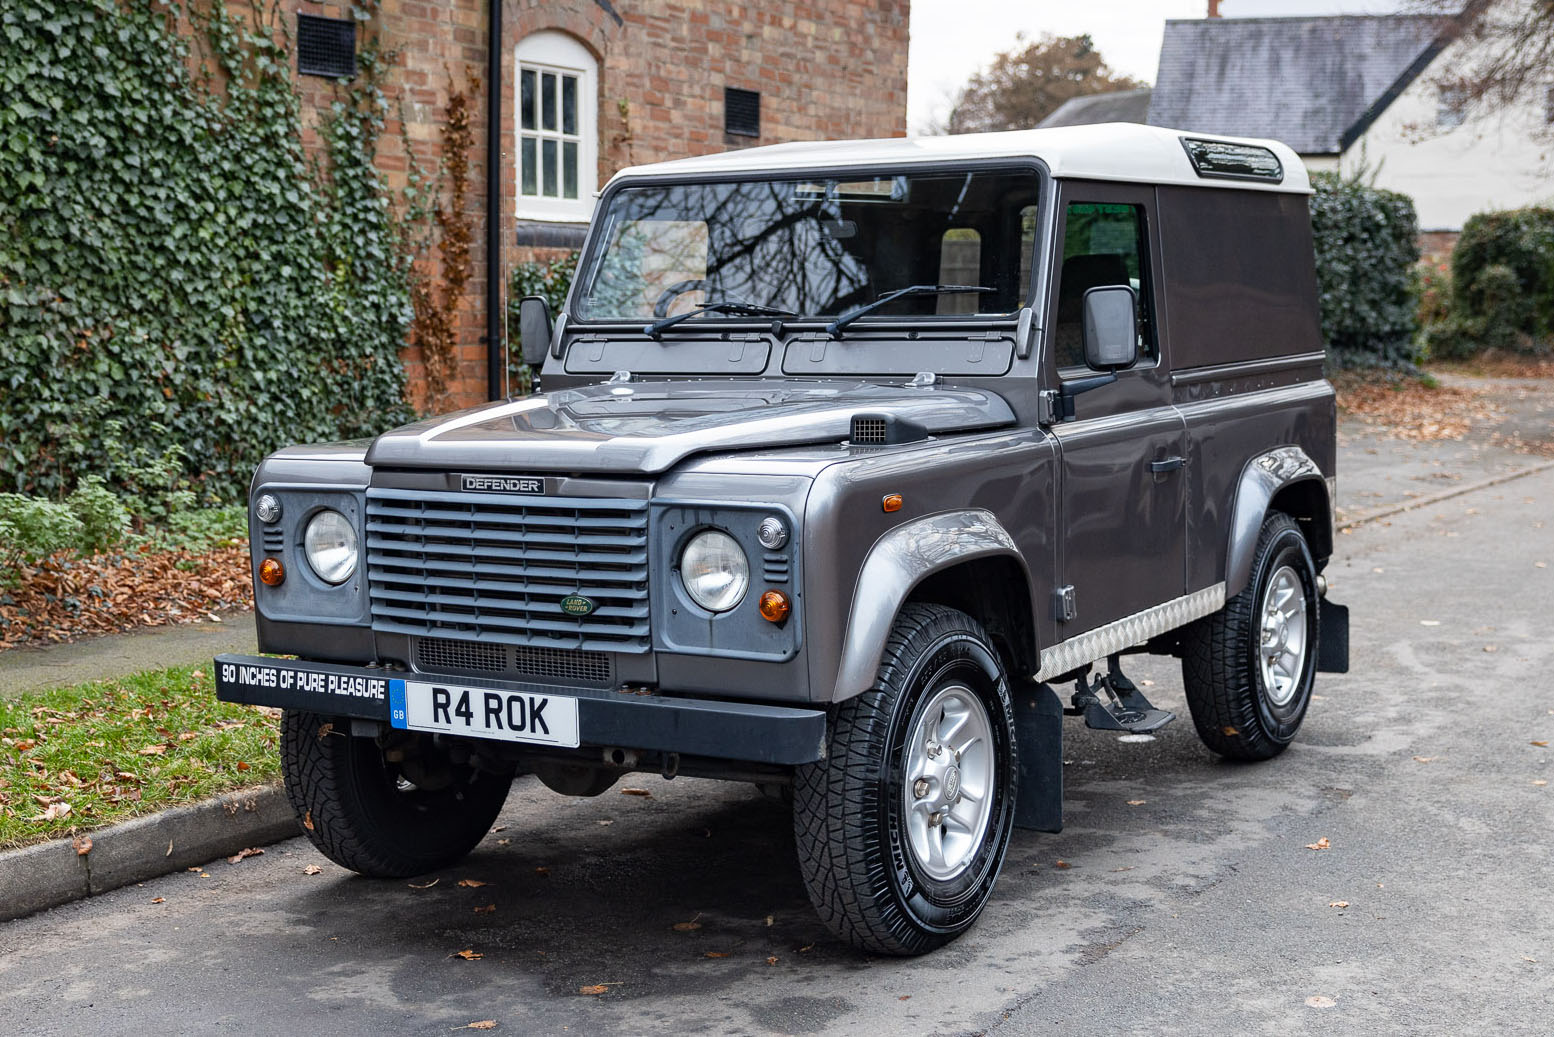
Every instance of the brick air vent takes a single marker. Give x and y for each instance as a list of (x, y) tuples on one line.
[(326, 47), (741, 112)]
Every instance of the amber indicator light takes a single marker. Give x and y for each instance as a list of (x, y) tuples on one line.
[(774, 606), (271, 572), (892, 502)]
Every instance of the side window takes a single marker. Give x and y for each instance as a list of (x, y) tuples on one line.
[(1103, 244)]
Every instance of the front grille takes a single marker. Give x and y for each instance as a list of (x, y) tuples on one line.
[(866, 431), (494, 568), (441, 654)]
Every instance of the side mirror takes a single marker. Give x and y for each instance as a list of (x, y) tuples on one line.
[(534, 329), (1111, 327)]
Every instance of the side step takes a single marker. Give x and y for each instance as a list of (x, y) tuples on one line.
[(1124, 707)]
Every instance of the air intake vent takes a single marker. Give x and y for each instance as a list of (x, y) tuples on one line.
[(884, 429), (741, 112), (326, 47), (520, 662)]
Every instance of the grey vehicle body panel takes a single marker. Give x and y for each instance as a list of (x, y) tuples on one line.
[(1000, 507)]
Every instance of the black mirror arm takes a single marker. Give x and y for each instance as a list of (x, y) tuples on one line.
[(1077, 387)]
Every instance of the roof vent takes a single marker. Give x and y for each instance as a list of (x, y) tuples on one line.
[(1221, 160)]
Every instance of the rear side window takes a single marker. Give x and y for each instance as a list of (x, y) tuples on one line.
[(1104, 243)]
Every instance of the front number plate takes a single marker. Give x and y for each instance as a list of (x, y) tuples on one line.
[(512, 716)]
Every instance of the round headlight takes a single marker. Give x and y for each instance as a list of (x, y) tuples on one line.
[(714, 571), (330, 544)]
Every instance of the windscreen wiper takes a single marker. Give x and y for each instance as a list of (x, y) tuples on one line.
[(834, 329), (738, 309)]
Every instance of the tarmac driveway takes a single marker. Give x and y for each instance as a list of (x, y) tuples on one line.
[(1180, 896)]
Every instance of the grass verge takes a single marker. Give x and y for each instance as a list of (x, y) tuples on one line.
[(78, 758)]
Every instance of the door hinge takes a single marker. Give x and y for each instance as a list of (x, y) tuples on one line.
[(1063, 604)]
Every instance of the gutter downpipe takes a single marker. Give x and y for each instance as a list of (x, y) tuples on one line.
[(496, 387)]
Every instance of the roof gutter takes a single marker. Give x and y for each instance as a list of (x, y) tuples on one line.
[(496, 387)]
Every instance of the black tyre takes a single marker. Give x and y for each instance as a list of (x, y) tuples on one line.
[(367, 814), (1248, 669), (902, 829)]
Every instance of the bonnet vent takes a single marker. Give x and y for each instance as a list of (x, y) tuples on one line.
[(884, 430)]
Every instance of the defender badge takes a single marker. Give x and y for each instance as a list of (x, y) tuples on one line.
[(577, 605)]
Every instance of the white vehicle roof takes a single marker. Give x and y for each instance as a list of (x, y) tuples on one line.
[(1121, 151)]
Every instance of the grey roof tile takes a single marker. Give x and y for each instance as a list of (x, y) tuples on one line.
[(1117, 106), (1309, 82)]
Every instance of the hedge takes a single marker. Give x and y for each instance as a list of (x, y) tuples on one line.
[(1366, 241), (1502, 285)]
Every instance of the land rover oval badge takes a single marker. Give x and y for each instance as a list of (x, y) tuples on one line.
[(577, 605)]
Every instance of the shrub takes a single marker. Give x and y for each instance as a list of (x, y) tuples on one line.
[(1503, 276), (31, 529), (551, 281), (1366, 242), (103, 517)]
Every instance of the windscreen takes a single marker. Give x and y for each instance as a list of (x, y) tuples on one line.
[(815, 246)]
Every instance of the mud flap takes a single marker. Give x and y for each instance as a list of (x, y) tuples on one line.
[(1038, 719), (1333, 638)]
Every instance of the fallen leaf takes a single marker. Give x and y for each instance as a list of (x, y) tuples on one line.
[(152, 750), (504, 842), (1320, 844), (904, 997), (1491, 648), (715, 954), (685, 927), (772, 960), (1425, 759), (597, 988), (542, 870), (1429, 622), (467, 954), (242, 766), (1540, 565), (636, 792), (54, 811), (484, 1024), (1062, 864), (1227, 730), (1540, 745), (423, 885), (1137, 802), (768, 919), (83, 845), (806, 948), (1539, 781), (312, 869), (307, 820), (23, 746), (604, 822), (473, 883), (252, 851), (1319, 1001), (159, 900), (485, 910), (1533, 960), (1338, 903)]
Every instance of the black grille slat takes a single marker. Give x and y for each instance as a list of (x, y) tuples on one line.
[(438, 653), (479, 567), (449, 655)]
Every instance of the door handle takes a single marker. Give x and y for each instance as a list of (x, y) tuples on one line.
[(1167, 464)]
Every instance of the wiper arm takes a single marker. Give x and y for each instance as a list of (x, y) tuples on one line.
[(834, 329), (741, 309)]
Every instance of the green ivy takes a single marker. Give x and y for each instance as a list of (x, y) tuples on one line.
[(174, 271), (550, 281), (1367, 242)]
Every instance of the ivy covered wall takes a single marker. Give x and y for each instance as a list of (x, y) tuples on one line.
[(172, 264)]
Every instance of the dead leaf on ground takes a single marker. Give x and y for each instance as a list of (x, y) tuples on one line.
[(53, 812), (159, 900), (1540, 745), (1229, 731), (467, 954), (1062, 864), (1137, 802), (1338, 903), (1539, 781), (83, 845), (312, 869), (685, 927), (251, 851), (715, 954), (542, 870), (604, 822), (1320, 1001), (636, 792), (768, 919), (484, 1024), (485, 910), (1425, 759), (1320, 844), (307, 820), (152, 750), (473, 883), (904, 997), (772, 960), (597, 988), (242, 766)]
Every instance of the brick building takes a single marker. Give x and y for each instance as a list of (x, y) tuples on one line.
[(590, 86)]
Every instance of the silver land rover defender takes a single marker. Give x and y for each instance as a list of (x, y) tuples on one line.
[(859, 465)]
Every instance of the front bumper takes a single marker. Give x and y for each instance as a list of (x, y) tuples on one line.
[(699, 727)]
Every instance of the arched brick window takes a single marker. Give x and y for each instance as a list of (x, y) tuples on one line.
[(558, 133)]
